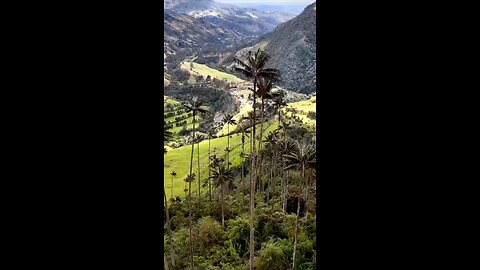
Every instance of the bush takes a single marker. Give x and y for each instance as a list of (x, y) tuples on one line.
[(208, 232), (238, 232), (312, 115), (275, 254)]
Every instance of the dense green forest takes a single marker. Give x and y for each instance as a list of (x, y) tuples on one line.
[(258, 213)]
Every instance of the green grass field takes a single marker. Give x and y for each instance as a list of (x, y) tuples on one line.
[(243, 111), (303, 107), (189, 120), (169, 100), (203, 70), (178, 160)]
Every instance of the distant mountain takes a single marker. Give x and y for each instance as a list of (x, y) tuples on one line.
[(244, 21), (292, 47), (292, 9), (185, 32), (188, 37)]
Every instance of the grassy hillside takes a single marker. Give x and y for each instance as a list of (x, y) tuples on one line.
[(204, 70), (303, 107), (178, 160)]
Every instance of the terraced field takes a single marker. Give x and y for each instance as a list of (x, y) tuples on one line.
[(189, 120)]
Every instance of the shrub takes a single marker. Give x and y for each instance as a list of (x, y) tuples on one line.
[(275, 254)]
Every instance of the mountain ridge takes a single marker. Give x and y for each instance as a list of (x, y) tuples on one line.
[(245, 21), (292, 48)]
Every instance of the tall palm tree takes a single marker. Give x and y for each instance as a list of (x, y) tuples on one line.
[(303, 156), (222, 176), (255, 67), (243, 128), (195, 107), (228, 120), (169, 229), (210, 132), (173, 174), (198, 139)]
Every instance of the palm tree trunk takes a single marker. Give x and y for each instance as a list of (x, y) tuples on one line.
[(185, 189), (306, 195), (296, 232), (252, 184), (251, 145), (279, 115), (169, 229), (172, 187), (296, 222), (223, 213), (284, 191), (228, 145), (190, 194), (261, 131), (198, 165), (284, 174), (260, 158), (243, 153), (209, 173)]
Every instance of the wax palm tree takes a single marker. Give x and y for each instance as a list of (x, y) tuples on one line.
[(243, 126), (195, 107), (173, 174), (301, 158), (198, 139), (210, 133), (255, 67), (228, 120), (222, 176)]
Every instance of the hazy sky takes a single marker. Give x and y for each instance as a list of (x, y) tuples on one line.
[(298, 2)]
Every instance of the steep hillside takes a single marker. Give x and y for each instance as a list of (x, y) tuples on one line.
[(186, 37), (245, 21), (292, 47), (185, 32)]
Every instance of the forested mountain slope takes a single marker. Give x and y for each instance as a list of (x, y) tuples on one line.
[(292, 47)]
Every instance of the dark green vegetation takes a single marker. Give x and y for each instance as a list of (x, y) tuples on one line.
[(255, 214), (221, 223)]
